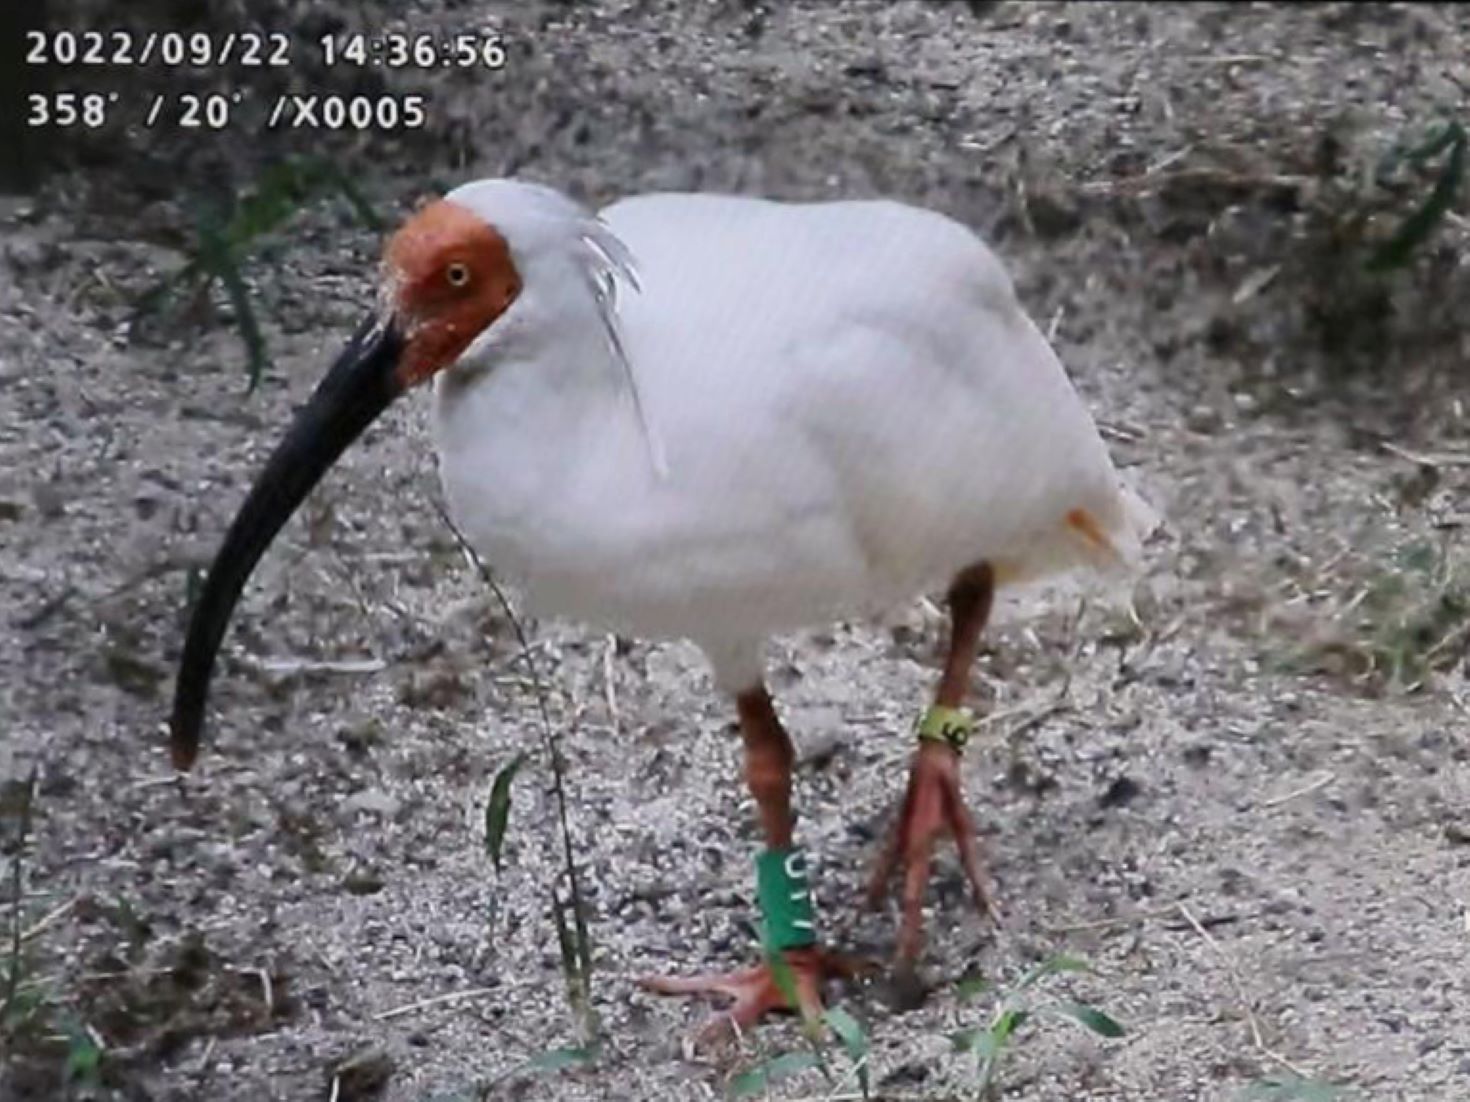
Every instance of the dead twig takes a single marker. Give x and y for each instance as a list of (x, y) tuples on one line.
[(290, 667), (1114, 923), (437, 1000), (1239, 984), (1427, 459), (48, 920), (1305, 790), (609, 689), (1151, 181)]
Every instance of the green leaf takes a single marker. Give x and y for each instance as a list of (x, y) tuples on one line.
[(966, 1040), (21, 1006), (1005, 1025), (1050, 967), (854, 1041), (969, 987), (151, 300), (1436, 143), (1090, 1017), (360, 206), (759, 1078), (583, 941), (565, 946), (217, 257), (1417, 228), (991, 1044), (1291, 1090), (497, 809), (783, 976), (83, 1056), (566, 1056), (281, 191)]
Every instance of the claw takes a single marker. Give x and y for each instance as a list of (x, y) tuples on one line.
[(753, 992), (932, 805)]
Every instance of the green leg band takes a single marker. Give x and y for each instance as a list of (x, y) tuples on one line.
[(785, 898), (951, 726)]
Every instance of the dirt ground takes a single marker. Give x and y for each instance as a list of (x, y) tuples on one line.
[(1244, 805)]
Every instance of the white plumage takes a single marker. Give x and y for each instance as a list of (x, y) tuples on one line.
[(842, 405), (718, 419)]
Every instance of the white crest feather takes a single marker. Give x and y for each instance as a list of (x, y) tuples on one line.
[(608, 261)]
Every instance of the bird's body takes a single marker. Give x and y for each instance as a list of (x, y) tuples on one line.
[(718, 419), (850, 404)]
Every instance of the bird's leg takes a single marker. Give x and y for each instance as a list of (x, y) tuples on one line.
[(933, 803), (787, 915)]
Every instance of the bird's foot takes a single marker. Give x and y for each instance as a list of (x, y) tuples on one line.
[(932, 805), (757, 991)]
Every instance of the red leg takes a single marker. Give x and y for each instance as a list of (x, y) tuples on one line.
[(933, 802), (754, 991)]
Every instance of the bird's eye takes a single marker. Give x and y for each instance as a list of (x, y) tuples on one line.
[(457, 274)]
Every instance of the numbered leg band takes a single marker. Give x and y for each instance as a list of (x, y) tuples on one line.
[(951, 726), (785, 899)]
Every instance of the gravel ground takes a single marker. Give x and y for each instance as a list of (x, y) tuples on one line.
[(1244, 805)]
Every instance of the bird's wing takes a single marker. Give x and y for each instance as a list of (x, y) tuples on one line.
[(872, 359)]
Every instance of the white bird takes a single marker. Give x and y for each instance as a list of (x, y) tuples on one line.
[(719, 419)]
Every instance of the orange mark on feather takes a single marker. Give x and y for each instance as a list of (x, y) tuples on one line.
[(447, 274), (1081, 521)]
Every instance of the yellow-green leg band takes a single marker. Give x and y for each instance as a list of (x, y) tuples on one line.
[(951, 726), (787, 913)]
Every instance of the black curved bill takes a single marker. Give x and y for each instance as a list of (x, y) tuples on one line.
[(361, 385)]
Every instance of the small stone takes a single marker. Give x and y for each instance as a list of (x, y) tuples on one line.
[(49, 500), (1122, 791), (373, 800), (362, 882), (133, 673), (1197, 755), (1204, 420), (819, 751), (1053, 214), (361, 1075)]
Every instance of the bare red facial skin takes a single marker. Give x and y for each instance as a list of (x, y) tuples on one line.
[(448, 274)]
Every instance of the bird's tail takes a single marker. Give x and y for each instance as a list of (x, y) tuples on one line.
[(1113, 542)]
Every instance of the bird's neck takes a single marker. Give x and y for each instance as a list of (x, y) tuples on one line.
[(523, 437)]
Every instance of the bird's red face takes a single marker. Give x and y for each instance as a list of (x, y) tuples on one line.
[(447, 275)]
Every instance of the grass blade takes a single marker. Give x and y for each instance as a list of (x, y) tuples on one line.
[(567, 949), (971, 986), (968, 1040), (151, 300), (1091, 1018), (1050, 967), (1432, 146), (566, 1056), (759, 1078), (497, 809), (218, 259), (854, 1041), (355, 199), (1417, 228), (83, 1057), (992, 1044), (783, 977), (1005, 1026), (283, 190)]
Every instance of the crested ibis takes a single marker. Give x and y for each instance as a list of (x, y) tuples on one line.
[(718, 419)]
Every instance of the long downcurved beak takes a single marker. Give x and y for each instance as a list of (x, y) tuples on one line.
[(360, 386)]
